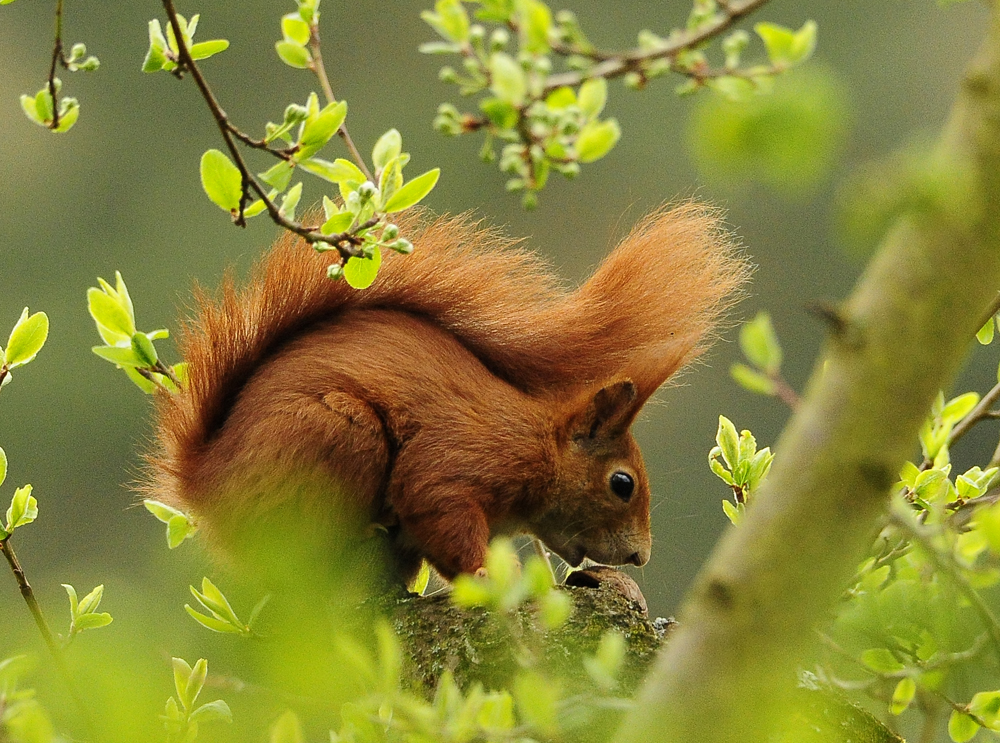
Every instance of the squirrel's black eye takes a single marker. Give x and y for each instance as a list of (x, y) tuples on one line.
[(622, 485)]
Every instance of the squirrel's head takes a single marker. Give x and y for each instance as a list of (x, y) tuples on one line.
[(600, 503)]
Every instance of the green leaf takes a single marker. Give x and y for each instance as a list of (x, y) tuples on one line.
[(91, 601), (508, 79), (286, 729), (361, 272), (468, 592), (450, 20), (156, 57), (881, 660), (729, 442), (338, 223), (215, 601), (390, 656), (257, 609), (23, 509), (69, 112), (986, 706), (502, 113), (562, 97), (294, 29), (290, 201), (206, 49), (611, 653), (339, 171), (44, 104), (146, 385), (389, 146), (752, 380), (92, 621), (3, 465), (412, 192), (596, 139), (161, 510), (786, 47), (958, 407), (182, 673), (555, 608), (216, 625), (113, 321), (221, 180), (593, 96), (537, 700), (985, 334), (293, 55), (144, 349), (732, 512), (279, 175), (961, 727), (391, 179), (73, 601), (318, 130), (212, 711), (195, 682), (759, 343), (534, 24), (903, 694), (716, 466), (30, 110), (179, 528), (119, 355), (27, 338)]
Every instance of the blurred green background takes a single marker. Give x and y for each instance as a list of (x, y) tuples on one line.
[(121, 191)]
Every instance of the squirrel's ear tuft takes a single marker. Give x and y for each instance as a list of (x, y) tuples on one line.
[(608, 412)]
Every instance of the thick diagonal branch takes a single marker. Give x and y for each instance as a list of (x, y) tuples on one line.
[(748, 620)]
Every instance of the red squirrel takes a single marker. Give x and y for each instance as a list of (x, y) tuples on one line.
[(464, 394)]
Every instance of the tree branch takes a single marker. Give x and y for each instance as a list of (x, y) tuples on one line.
[(616, 64), (748, 620), (43, 626), (310, 234)]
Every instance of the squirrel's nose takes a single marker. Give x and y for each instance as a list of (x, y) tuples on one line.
[(635, 559)]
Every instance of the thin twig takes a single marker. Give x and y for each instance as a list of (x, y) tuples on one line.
[(43, 626), (57, 57), (324, 81), (978, 413), (168, 372), (616, 64), (346, 248), (784, 391)]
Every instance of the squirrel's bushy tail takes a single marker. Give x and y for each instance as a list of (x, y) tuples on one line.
[(643, 314)]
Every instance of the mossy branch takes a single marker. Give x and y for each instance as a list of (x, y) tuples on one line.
[(748, 620)]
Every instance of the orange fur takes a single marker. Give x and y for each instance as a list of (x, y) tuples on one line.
[(465, 393)]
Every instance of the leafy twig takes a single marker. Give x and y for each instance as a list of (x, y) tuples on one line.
[(310, 234), (616, 64), (924, 537), (57, 58)]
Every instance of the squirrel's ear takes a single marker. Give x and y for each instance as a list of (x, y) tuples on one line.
[(608, 412)]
